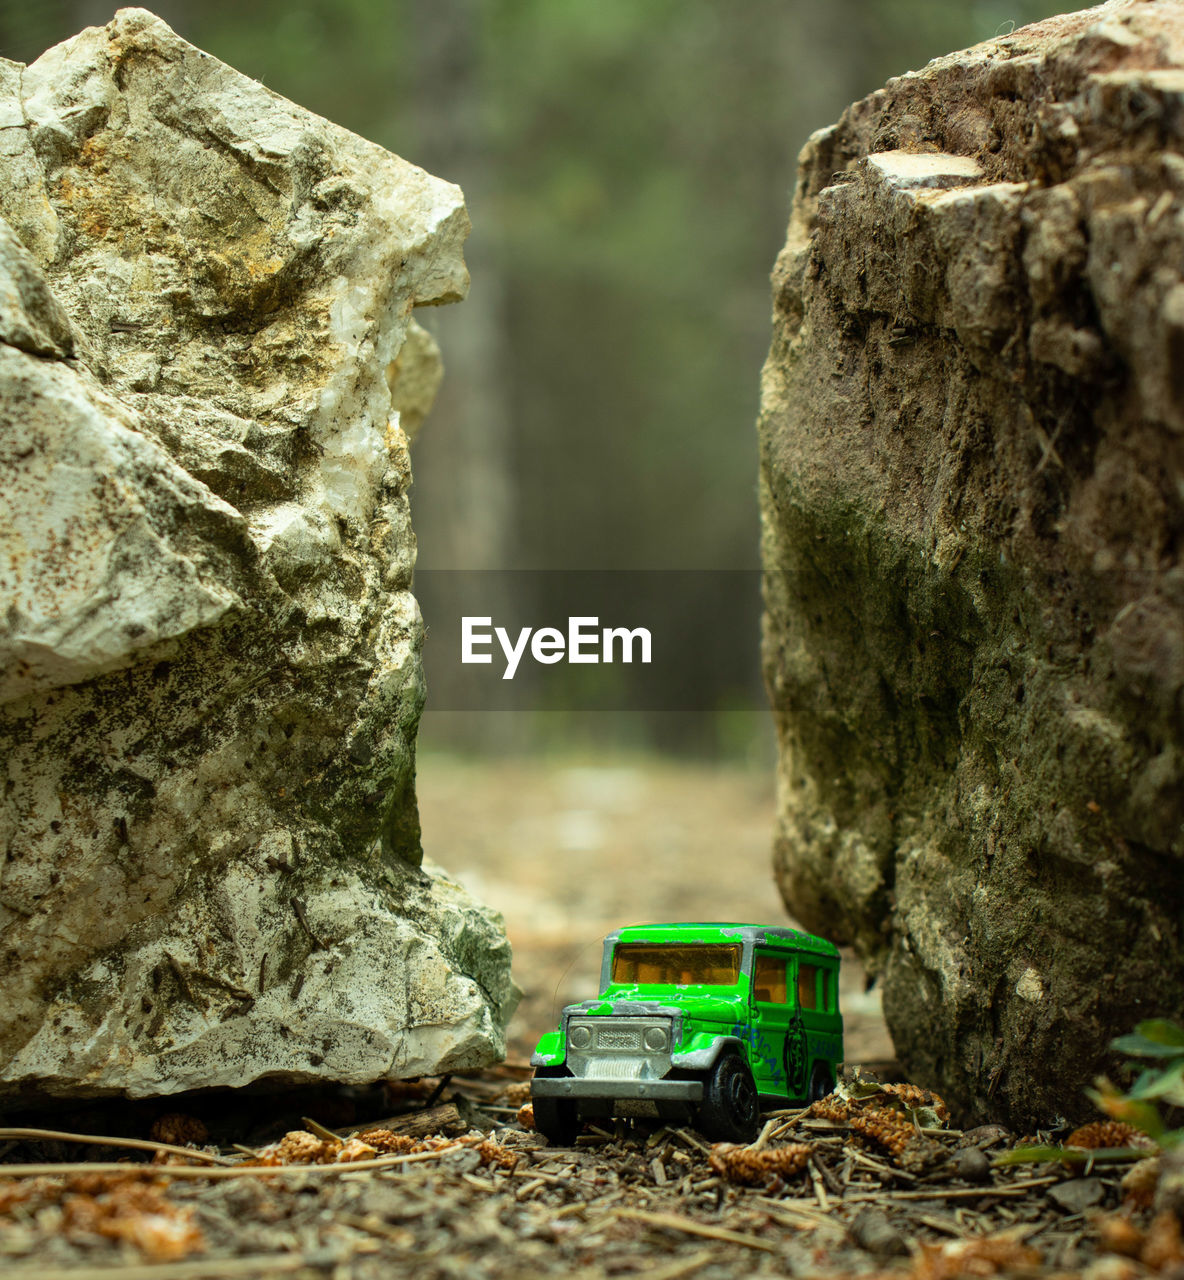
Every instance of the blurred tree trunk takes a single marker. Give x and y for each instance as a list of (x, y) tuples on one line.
[(462, 503)]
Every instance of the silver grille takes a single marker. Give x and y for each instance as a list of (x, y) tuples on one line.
[(615, 1047), (614, 1068), (627, 1040)]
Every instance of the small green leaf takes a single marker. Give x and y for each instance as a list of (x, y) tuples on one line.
[(1137, 1046), (1038, 1155), (1155, 1038), (1168, 1085), (925, 1117), (1162, 1031), (1072, 1155), (860, 1089)]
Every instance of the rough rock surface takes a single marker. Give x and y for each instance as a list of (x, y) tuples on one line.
[(210, 670), (973, 492)]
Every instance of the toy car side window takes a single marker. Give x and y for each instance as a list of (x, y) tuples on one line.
[(808, 986), (768, 980)]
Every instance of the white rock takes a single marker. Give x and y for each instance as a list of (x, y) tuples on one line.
[(210, 671), (908, 170)]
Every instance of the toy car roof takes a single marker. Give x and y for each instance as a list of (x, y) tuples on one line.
[(724, 930)]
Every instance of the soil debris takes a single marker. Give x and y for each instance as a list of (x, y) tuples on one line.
[(831, 1190)]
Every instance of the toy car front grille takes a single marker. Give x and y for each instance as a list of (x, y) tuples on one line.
[(621, 1039), (620, 1047), (615, 1068)]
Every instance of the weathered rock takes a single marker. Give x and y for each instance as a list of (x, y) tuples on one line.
[(972, 448), (210, 672)]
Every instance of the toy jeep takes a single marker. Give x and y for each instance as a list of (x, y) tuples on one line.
[(695, 1022)]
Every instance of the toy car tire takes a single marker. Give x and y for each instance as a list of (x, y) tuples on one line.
[(557, 1119), (821, 1083), (730, 1111)]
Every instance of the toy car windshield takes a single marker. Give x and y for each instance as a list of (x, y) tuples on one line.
[(676, 966)]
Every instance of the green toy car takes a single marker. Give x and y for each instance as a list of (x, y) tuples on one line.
[(698, 1022)]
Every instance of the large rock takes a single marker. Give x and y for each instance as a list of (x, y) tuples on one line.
[(210, 678), (973, 488)]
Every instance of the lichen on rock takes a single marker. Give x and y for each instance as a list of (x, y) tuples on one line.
[(210, 674), (972, 514)]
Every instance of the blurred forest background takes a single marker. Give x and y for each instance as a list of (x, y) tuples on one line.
[(629, 166)]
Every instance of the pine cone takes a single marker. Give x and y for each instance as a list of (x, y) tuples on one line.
[(388, 1143), (1140, 1182), (914, 1097), (832, 1108), (885, 1127), (493, 1153), (178, 1130), (301, 1147), (1120, 1235), (137, 1213), (894, 1133), (982, 1257), (751, 1168), (526, 1115), (1163, 1247), (1107, 1133), (355, 1149), (514, 1095)]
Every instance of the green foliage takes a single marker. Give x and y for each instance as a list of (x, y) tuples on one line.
[(1157, 1038), (1162, 1082), (1072, 1155)]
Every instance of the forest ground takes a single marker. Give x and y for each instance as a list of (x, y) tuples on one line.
[(448, 1179)]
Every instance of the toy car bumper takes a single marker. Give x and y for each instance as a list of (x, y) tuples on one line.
[(577, 1087)]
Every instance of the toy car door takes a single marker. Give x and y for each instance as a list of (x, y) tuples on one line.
[(777, 1023), (817, 998)]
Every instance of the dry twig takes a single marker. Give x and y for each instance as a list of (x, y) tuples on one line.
[(209, 1172), (675, 1222), (215, 1268), (132, 1144)]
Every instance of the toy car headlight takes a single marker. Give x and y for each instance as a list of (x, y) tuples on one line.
[(655, 1039), (580, 1037)]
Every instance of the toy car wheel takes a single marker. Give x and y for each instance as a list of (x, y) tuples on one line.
[(557, 1119), (822, 1082), (730, 1111)]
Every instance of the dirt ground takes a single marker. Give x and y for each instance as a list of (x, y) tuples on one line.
[(444, 1179)]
